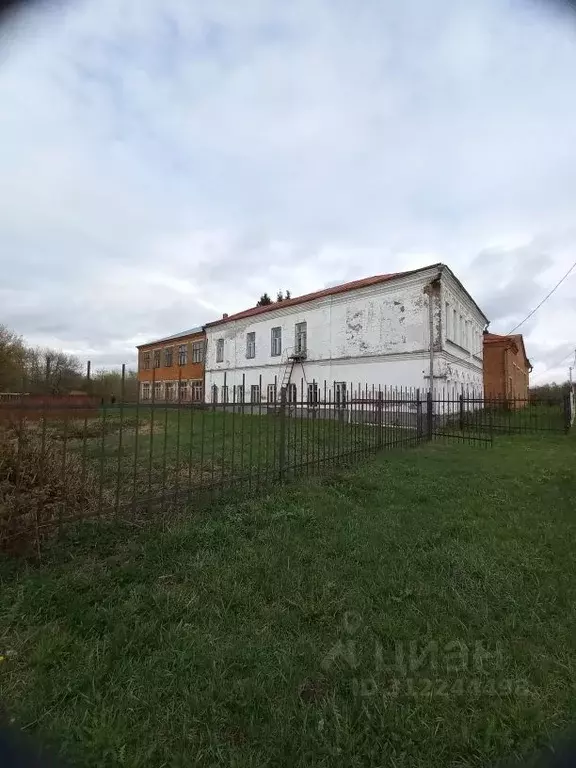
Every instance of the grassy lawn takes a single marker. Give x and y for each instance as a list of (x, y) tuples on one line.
[(527, 418), (153, 454), (418, 610)]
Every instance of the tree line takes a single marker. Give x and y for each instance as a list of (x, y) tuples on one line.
[(549, 391), (47, 371), (265, 299)]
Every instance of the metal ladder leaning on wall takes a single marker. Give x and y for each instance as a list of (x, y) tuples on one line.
[(291, 362)]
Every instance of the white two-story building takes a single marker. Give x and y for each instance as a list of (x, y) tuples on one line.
[(418, 329)]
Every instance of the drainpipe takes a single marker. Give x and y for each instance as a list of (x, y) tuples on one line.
[(431, 341), (431, 290)]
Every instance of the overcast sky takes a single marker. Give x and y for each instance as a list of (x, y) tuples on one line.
[(164, 161)]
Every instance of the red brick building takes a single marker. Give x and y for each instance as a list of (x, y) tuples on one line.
[(506, 367), (173, 368)]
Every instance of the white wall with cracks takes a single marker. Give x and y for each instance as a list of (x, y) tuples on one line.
[(371, 337)]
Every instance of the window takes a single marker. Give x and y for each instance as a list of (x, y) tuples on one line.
[(182, 354), (183, 390), (448, 318), (146, 391), (255, 393), (300, 339), (220, 351), (214, 393), (271, 393), (198, 351), (461, 331), (313, 394), (197, 391), (291, 393), (251, 344), (168, 357), (340, 393), (158, 390), (276, 342), (156, 358), (225, 393), (169, 390), (239, 393), (146, 361)]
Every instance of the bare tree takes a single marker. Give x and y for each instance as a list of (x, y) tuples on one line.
[(53, 371), (12, 357)]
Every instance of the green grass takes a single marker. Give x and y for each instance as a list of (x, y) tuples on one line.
[(529, 418), (158, 453), (257, 633)]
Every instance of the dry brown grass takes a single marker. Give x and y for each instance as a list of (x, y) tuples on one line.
[(41, 485)]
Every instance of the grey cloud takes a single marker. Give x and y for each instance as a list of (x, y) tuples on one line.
[(162, 165)]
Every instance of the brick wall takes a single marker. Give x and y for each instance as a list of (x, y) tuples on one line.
[(506, 372), (171, 369)]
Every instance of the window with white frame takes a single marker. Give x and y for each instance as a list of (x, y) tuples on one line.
[(251, 345), (448, 319), (276, 342), (255, 394), (271, 394), (169, 390), (168, 357), (239, 393), (183, 391), (197, 351), (182, 354), (313, 393), (225, 393), (214, 393), (158, 390), (197, 391), (220, 350), (146, 391), (340, 393), (300, 338)]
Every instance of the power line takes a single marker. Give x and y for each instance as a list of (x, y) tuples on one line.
[(558, 364), (545, 299)]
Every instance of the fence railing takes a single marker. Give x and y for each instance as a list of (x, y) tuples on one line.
[(133, 459)]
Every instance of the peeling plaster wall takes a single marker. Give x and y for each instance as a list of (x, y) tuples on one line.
[(378, 336), (462, 325)]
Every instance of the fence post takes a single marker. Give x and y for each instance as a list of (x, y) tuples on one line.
[(461, 401), (419, 425), (282, 437), (380, 419), (429, 415), (567, 413)]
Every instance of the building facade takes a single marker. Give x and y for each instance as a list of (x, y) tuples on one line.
[(172, 369), (418, 329), (506, 367)]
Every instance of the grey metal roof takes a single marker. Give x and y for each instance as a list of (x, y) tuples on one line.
[(189, 332)]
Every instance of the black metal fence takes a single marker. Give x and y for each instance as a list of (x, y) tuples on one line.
[(130, 460)]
